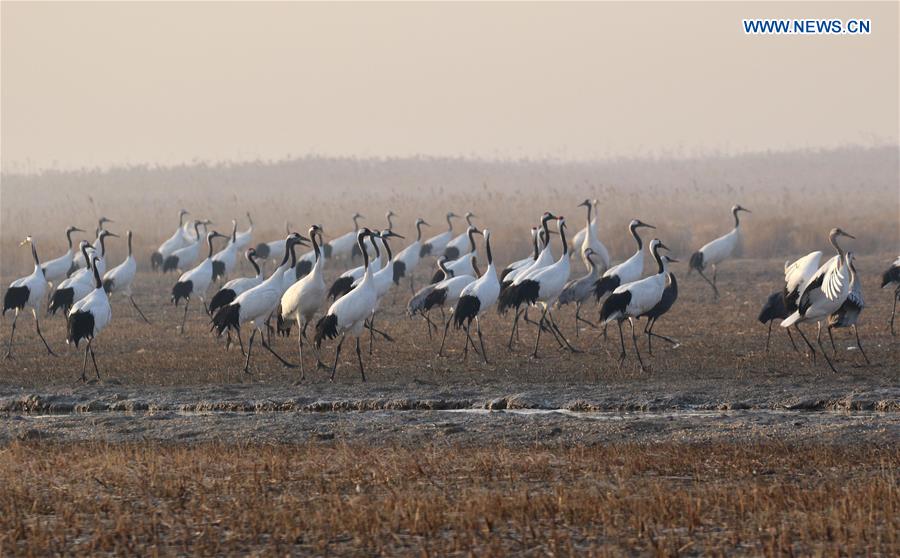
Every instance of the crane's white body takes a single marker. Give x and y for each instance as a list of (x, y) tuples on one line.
[(228, 255), (592, 242), (242, 239), (826, 291), (37, 288), (258, 303), (355, 307), (357, 272), (305, 297), (121, 276), (179, 239), (78, 259), (199, 276), (461, 243), (551, 280), (645, 294), (464, 265), (97, 304), (799, 273), (342, 246), (188, 255), (81, 282), (58, 268), (439, 242), (722, 248)]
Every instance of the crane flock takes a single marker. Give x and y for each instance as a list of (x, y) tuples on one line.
[(296, 292)]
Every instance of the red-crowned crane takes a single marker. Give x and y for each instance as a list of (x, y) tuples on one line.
[(460, 246), (58, 269), (436, 245), (195, 281), (783, 303), (235, 287), (824, 294), (476, 298), (669, 296), (80, 283), (848, 314), (579, 290), (590, 241), (223, 261), (891, 278), (78, 261), (718, 250), (465, 264), (628, 271), (178, 240), (243, 238), (120, 278), (404, 263), (88, 317), (27, 292), (631, 300), (187, 255)]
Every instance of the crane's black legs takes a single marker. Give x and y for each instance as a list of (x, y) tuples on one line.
[(635, 343), (11, 335), (537, 341), (337, 354), (133, 303), (481, 340), (622, 341), (894, 311), (825, 354), (791, 337), (769, 335), (444, 338), (249, 351), (269, 348), (300, 343), (711, 283), (812, 350), (831, 338), (859, 344), (37, 326), (359, 359), (94, 358), (512, 332), (184, 316), (87, 348), (578, 318), (555, 328)]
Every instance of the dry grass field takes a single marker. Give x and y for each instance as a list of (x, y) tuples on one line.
[(332, 499)]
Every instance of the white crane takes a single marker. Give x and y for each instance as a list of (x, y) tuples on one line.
[(344, 282), (88, 317), (120, 278), (255, 306), (345, 245), (544, 287), (465, 264), (381, 281), (406, 261), (187, 255), (78, 261), (58, 269), (446, 293), (417, 304), (627, 271), (243, 238), (579, 290), (519, 264), (591, 241), (438, 243), (783, 303), (669, 296), (80, 283), (848, 314), (350, 312), (303, 300), (824, 293), (891, 278), (224, 259), (273, 250), (461, 245), (195, 281), (233, 288), (718, 250), (476, 298), (179, 239), (27, 292), (634, 299)]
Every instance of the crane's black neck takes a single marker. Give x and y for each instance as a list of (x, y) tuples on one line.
[(562, 236), (449, 223), (252, 260), (102, 245), (637, 237), (294, 254), (737, 220), (387, 248), (545, 229), (209, 239), (250, 219), (69, 237), (129, 243), (374, 245), (180, 219), (534, 243), (390, 220), (312, 235), (234, 231), (84, 252), (418, 231), (590, 207), (469, 219), (661, 266), (34, 255), (98, 284), (356, 223), (289, 248), (360, 241), (448, 273), (487, 248), (837, 247), (197, 229), (471, 234)]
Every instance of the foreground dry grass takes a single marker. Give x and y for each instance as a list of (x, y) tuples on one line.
[(328, 499)]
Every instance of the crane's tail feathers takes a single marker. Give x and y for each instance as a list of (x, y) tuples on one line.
[(605, 285), (182, 289), (15, 298), (218, 270), (399, 271), (340, 287), (437, 277), (302, 269), (614, 306), (326, 328), (156, 261), (326, 250), (696, 262), (507, 298), (80, 325), (61, 299), (227, 317), (451, 253), (791, 320), (220, 299), (466, 309), (773, 308), (892, 275), (108, 285), (425, 250), (170, 264)]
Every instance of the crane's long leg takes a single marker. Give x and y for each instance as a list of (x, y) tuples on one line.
[(537, 341), (635, 343), (512, 332), (649, 326), (184, 316), (578, 318), (769, 335), (481, 340), (249, 352), (359, 359), (337, 354), (84, 363), (133, 303), (825, 354), (11, 335), (265, 344), (300, 343), (831, 337), (894, 311), (791, 337), (859, 344), (240, 341), (622, 341), (711, 284), (37, 326), (812, 350), (94, 358), (444, 338), (555, 327)]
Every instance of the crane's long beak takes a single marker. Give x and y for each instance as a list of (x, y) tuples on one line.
[(672, 260), (114, 235), (426, 223), (848, 235), (663, 246)]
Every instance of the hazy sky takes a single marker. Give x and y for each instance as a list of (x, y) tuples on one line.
[(87, 84)]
